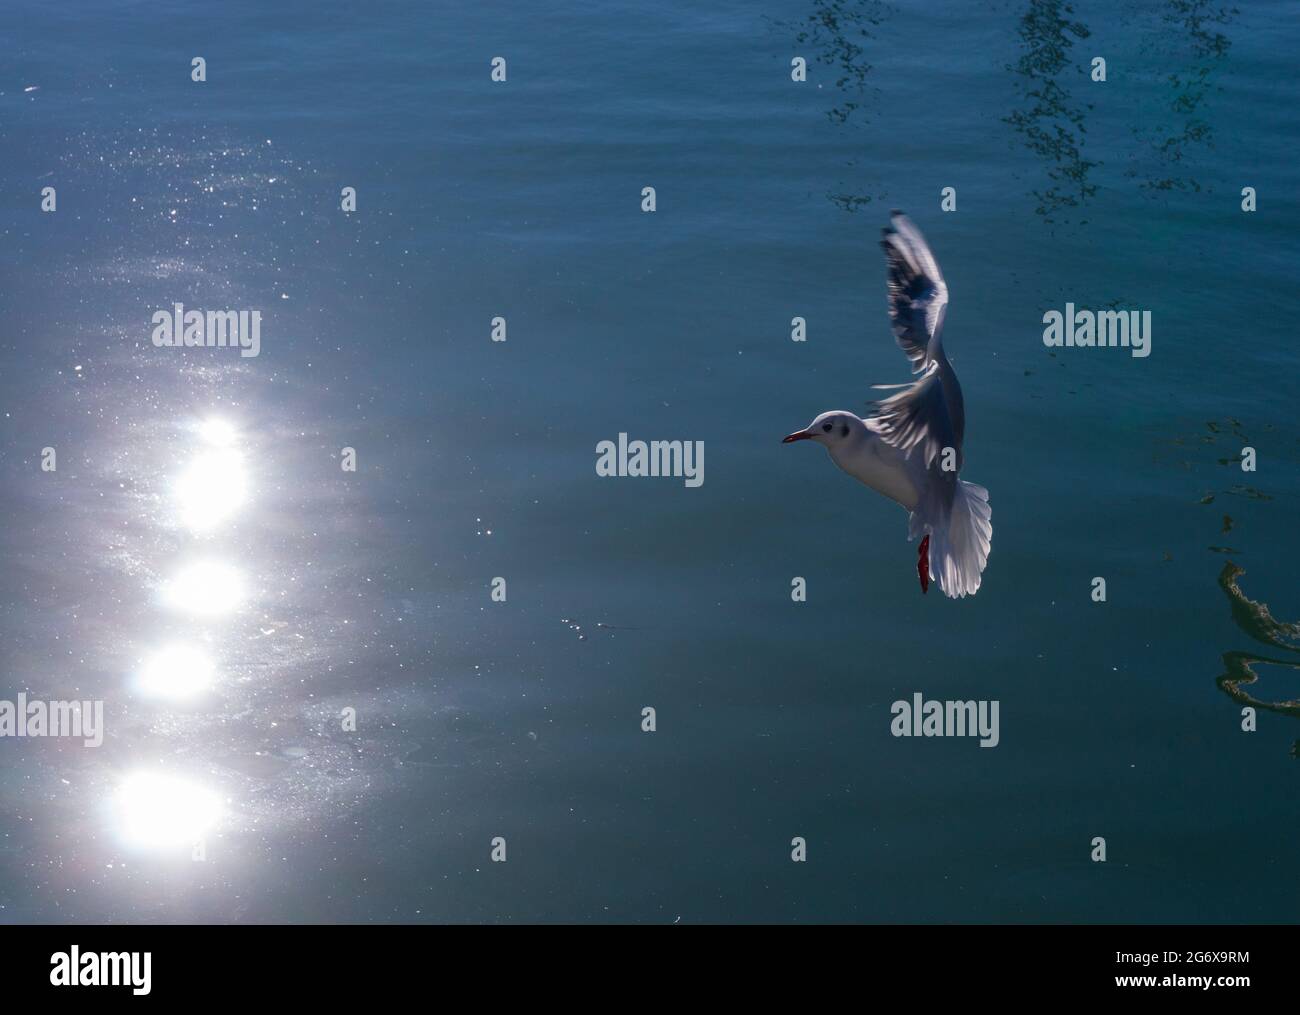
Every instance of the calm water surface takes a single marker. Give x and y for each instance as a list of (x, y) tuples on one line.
[(475, 460)]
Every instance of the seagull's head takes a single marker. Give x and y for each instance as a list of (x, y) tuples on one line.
[(830, 428)]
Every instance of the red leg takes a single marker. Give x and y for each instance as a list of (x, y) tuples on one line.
[(923, 565)]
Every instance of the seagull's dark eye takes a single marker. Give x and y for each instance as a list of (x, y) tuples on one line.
[(826, 428)]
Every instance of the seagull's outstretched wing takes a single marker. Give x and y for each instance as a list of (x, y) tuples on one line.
[(918, 297), (928, 414)]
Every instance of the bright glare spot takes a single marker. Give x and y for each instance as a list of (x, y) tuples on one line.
[(175, 673), (211, 489), (157, 811), (217, 432), (206, 588)]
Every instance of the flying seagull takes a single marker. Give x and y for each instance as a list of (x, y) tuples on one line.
[(910, 447)]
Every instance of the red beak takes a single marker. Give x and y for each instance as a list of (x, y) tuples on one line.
[(801, 435)]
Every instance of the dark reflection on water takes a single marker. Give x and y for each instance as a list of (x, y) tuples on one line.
[(1185, 42), (1181, 46), (1201, 450), (1258, 622), (1050, 120), (838, 32)]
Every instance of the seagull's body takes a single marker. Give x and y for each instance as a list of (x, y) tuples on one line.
[(872, 461), (910, 450)]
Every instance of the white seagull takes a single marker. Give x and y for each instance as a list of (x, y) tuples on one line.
[(910, 448)]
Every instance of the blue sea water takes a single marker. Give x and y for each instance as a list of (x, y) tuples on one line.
[(522, 199)]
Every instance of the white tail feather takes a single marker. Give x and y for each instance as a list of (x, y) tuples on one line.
[(959, 544)]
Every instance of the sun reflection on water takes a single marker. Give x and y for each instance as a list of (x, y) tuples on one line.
[(211, 489), (175, 672), (218, 432), (204, 588), (157, 811)]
